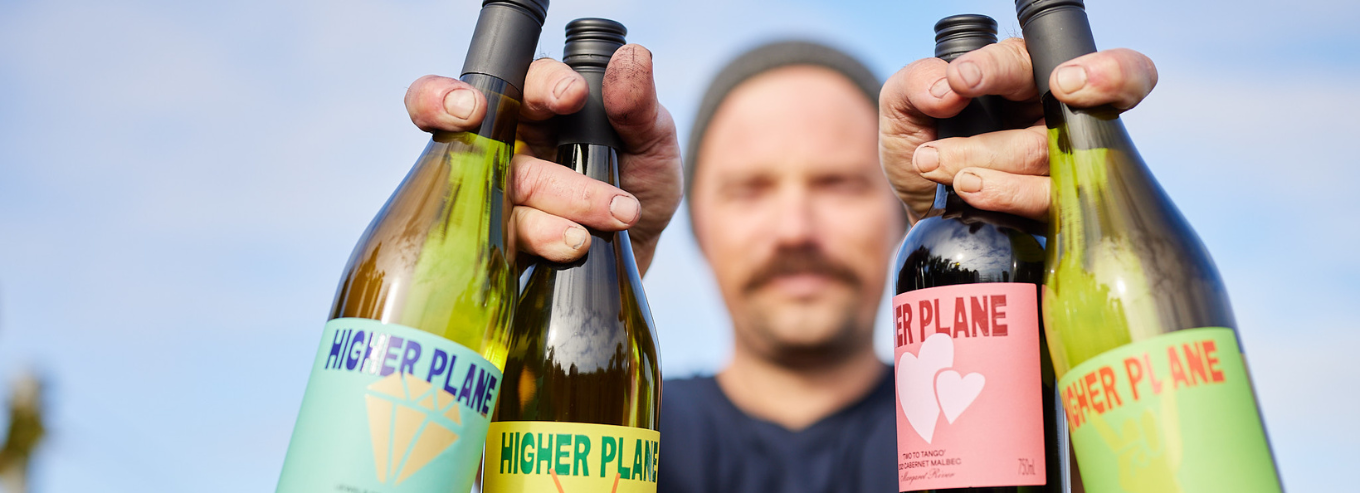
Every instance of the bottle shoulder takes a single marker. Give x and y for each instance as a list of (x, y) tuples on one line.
[(948, 250), (591, 302)]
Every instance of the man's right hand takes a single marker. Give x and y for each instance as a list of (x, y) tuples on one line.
[(1007, 170), (553, 204)]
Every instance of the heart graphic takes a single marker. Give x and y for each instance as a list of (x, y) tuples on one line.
[(957, 393), (916, 382)]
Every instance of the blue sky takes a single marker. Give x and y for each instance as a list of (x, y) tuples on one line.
[(181, 183)]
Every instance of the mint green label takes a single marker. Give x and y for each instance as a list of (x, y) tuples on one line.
[(1170, 414), (390, 409)]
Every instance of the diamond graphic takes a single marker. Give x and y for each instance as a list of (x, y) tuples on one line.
[(408, 420)]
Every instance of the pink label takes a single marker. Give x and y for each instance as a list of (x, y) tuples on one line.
[(969, 400)]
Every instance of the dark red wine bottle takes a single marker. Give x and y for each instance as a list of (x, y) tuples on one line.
[(976, 406)]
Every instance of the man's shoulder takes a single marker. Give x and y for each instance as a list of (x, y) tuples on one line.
[(690, 394), (694, 410), (688, 385)]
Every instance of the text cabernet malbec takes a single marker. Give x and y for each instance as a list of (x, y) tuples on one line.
[(969, 345), (582, 373), (409, 369), (1142, 336)]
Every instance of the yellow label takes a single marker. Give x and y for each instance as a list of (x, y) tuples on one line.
[(569, 458)]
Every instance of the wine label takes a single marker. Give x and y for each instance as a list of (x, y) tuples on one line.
[(969, 399), (541, 456), (1174, 413), (390, 409)]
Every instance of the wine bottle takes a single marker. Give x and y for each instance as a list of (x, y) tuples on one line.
[(583, 382), (969, 345), (1143, 340), (408, 372)]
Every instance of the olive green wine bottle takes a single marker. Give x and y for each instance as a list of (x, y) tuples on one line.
[(582, 382), (406, 379), (1143, 339)]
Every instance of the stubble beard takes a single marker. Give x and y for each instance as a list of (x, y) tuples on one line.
[(775, 338)]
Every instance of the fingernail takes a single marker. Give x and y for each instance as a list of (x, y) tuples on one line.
[(574, 237), (624, 208), (562, 86), (967, 182), (970, 73), (940, 88), (1071, 78), (460, 103), (926, 159)]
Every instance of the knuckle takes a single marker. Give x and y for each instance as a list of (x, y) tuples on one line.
[(537, 229), (530, 180), (1001, 194), (1015, 43), (957, 153), (1014, 48), (984, 199), (1035, 151), (584, 197)]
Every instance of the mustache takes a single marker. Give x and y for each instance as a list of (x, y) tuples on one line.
[(788, 261)]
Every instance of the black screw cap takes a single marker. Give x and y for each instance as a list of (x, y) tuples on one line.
[(591, 41), (1026, 10), (538, 9), (959, 34)]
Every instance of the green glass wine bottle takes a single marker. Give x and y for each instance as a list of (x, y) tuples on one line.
[(961, 270), (1143, 339), (408, 372), (582, 375)]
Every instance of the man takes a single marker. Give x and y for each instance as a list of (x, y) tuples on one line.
[(797, 221), (793, 213)]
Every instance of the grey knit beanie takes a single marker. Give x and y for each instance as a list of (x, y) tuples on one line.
[(763, 59)]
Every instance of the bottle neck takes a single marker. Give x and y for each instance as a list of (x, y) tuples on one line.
[(1100, 185), (503, 101), (982, 115), (503, 42), (600, 163), (591, 124), (1071, 129), (596, 161), (1055, 35)]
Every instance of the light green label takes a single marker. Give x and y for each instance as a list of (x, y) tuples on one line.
[(390, 409), (1171, 414)]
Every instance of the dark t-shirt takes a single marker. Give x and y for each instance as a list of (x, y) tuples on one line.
[(708, 445)]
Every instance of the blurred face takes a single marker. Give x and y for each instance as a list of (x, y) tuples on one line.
[(794, 214)]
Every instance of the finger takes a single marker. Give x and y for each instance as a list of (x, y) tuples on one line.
[(630, 101), (441, 103), (1021, 151), (992, 190), (908, 104), (552, 88), (922, 91), (650, 163), (561, 191), (548, 236), (1001, 69), (1119, 77)]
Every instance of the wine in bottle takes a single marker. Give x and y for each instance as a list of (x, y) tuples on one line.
[(1143, 340), (408, 372), (582, 381), (975, 407)]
